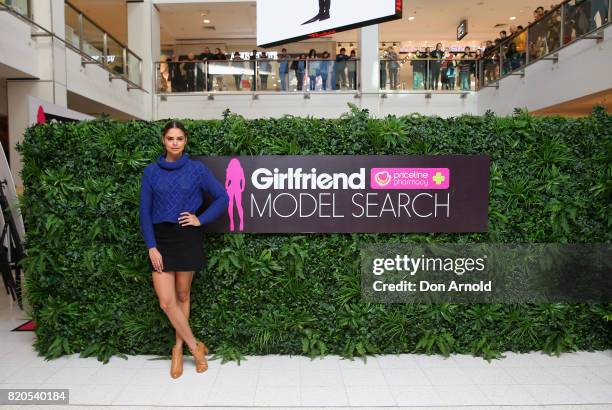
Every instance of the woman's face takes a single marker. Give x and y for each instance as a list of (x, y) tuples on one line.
[(174, 141)]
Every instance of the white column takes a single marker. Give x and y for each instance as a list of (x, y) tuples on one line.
[(51, 83), (144, 40), (370, 71)]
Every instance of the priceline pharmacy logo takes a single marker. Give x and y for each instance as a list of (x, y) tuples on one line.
[(410, 178)]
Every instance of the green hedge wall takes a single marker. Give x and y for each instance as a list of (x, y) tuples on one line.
[(91, 292)]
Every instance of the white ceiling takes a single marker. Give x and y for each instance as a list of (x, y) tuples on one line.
[(435, 20)]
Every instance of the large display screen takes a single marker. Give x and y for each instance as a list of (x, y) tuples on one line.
[(281, 21)]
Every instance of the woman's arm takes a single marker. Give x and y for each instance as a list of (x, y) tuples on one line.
[(146, 205), (209, 183)]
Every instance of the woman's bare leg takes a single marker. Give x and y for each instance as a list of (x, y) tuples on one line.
[(165, 289), (183, 292)]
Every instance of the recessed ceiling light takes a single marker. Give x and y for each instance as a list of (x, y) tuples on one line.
[(206, 21), (512, 18), (411, 18)]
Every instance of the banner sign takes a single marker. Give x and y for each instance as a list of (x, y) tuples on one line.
[(280, 22), (352, 193)]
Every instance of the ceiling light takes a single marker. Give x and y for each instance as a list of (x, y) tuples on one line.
[(512, 18), (411, 18), (206, 21)]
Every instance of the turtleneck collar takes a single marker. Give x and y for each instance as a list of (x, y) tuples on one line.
[(161, 161)]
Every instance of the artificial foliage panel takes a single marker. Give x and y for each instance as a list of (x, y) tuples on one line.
[(90, 290)]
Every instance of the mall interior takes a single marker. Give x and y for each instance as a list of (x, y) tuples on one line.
[(130, 60), (158, 59)]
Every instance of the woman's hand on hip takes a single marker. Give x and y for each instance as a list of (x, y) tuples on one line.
[(187, 219), (156, 260)]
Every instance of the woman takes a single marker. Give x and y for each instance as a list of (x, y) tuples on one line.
[(394, 68), (477, 67), (265, 68), (351, 65), (465, 70), (435, 66), (238, 68), (164, 84), (314, 66), (171, 193), (299, 66), (220, 67), (444, 68), (324, 69)]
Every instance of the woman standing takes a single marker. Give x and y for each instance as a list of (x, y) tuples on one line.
[(324, 69), (435, 66), (351, 65), (265, 68), (170, 195), (314, 66), (219, 67), (394, 68)]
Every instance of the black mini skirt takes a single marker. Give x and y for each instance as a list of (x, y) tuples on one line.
[(181, 247)]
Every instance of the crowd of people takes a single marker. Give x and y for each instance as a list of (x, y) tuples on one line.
[(435, 69), (510, 50), (432, 68), (312, 71)]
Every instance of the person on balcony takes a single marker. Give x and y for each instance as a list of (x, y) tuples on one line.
[(219, 64), (465, 70), (283, 68), (394, 67), (238, 69), (436, 55), (324, 65), (340, 69), (447, 62), (265, 68), (299, 66), (351, 66), (313, 68)]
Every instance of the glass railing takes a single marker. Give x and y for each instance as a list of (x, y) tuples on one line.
[(567, 22), (134, 68), (256, 75), (449, 73), (87, 37), (20, 6)]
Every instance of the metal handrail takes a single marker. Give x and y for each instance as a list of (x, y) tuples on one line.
[(101, 29), (48, 33)]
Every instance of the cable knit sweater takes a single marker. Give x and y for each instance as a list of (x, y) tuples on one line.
[(169, 188)]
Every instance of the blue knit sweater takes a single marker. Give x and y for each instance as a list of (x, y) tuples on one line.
[(169, 188)]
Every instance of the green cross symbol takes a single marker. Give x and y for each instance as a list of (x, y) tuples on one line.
[(438, 178)]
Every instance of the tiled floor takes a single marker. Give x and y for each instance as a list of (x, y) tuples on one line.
[(576, 379)]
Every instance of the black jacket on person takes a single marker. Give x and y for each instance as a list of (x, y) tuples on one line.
[(437, 54)]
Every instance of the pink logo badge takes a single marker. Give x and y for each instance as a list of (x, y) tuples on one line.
[(410, 178)]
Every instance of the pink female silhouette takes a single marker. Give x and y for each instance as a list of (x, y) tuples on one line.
[(234, 185)]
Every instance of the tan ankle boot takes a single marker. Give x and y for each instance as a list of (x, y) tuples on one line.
[(176, 369), (200, 357)]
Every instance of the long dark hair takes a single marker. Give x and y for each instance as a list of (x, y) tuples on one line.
[(169, 126), (174, 124)]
